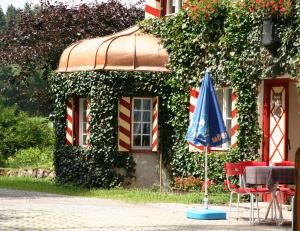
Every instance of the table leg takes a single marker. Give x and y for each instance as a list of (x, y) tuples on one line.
[(269, 207)]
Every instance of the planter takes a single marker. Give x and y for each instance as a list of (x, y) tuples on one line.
[(269, 35)]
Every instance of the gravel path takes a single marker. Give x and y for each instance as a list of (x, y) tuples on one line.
[(23, 210)]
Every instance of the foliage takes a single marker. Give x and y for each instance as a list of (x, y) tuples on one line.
[(39, 37), (2, 20), (31, 157), (19, 131), (12, 16), (228, 43), (127, 195), (96, 166)]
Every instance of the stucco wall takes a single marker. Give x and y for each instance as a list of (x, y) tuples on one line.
[(147, 171), (294, 121)]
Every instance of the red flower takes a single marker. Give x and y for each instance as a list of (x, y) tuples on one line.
[(282, 10)]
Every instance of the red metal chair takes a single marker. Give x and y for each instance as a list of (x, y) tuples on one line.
[(285, 163), (284, 190), (254, 163), (236, 170), (260, 190)]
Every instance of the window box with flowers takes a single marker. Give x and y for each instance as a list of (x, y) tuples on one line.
[(271, 10)]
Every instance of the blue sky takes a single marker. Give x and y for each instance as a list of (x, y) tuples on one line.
[(20, 3)]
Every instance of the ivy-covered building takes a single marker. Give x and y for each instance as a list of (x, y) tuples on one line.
[(123, 101)]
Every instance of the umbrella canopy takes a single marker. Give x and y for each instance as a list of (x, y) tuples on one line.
[(207, 125)]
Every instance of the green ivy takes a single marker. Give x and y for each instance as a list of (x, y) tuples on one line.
[(97, 166), (228, 42)]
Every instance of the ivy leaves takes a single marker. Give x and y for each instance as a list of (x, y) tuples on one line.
[(230, 45)]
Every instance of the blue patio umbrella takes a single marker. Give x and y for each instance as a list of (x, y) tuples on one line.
[(207, 128)]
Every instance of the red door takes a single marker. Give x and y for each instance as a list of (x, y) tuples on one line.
[(275, 121)]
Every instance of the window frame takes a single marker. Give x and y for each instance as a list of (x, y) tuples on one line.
[(226, 97), (81, 133), (142, 148), (178, 6)]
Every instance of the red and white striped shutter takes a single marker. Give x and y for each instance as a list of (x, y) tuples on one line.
[(155, 104), (124, 122), (70, 122), (153, 9), (194, 93), (88, 126), (234, 123)]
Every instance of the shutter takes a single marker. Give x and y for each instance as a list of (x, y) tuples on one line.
[(234, 123), (153, 9), (155, 103), (88, 126), (124, 122), (194, 93), (70, 122)]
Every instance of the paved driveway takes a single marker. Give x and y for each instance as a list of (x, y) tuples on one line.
[(22, 210)]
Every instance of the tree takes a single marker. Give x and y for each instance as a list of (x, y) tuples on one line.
[(12, 16), (2, 20), (36, 42)]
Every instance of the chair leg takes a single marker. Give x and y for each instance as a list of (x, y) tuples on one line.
[(251, 209), (230, 204), (257, 208), (238, 207)]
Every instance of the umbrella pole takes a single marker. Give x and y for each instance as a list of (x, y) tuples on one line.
[(205, 200)]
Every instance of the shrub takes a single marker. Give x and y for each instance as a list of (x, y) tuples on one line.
[(19, 131), (31, 157)]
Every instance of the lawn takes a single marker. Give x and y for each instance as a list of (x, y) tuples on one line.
[(127, 195)]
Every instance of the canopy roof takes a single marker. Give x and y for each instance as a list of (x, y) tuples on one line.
[(130, 50)]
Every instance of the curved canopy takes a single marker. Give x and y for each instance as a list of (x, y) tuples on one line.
[(130, 50)]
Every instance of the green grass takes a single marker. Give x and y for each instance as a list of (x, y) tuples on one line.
[(127, 195)]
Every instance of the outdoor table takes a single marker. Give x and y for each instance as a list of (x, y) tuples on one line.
[(271, 176)]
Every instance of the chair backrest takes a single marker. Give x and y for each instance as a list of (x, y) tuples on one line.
[(254, 163), (285, 163), (233, 169)]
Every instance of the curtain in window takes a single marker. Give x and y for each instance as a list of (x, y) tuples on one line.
[(88, 126)]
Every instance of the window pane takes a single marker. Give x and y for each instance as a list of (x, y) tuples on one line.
[(146, 141), (84, 127), (146, 116), (147, 104), (137, 116), (137, 140), (146, 128), (137, 104), (219, 94), (84, 139), (229, 103), (137, 128), (228, 126)]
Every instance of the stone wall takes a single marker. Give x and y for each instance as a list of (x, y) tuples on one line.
[(34, 173)]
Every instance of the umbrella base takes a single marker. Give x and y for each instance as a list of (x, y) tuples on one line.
[(206, 214)]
